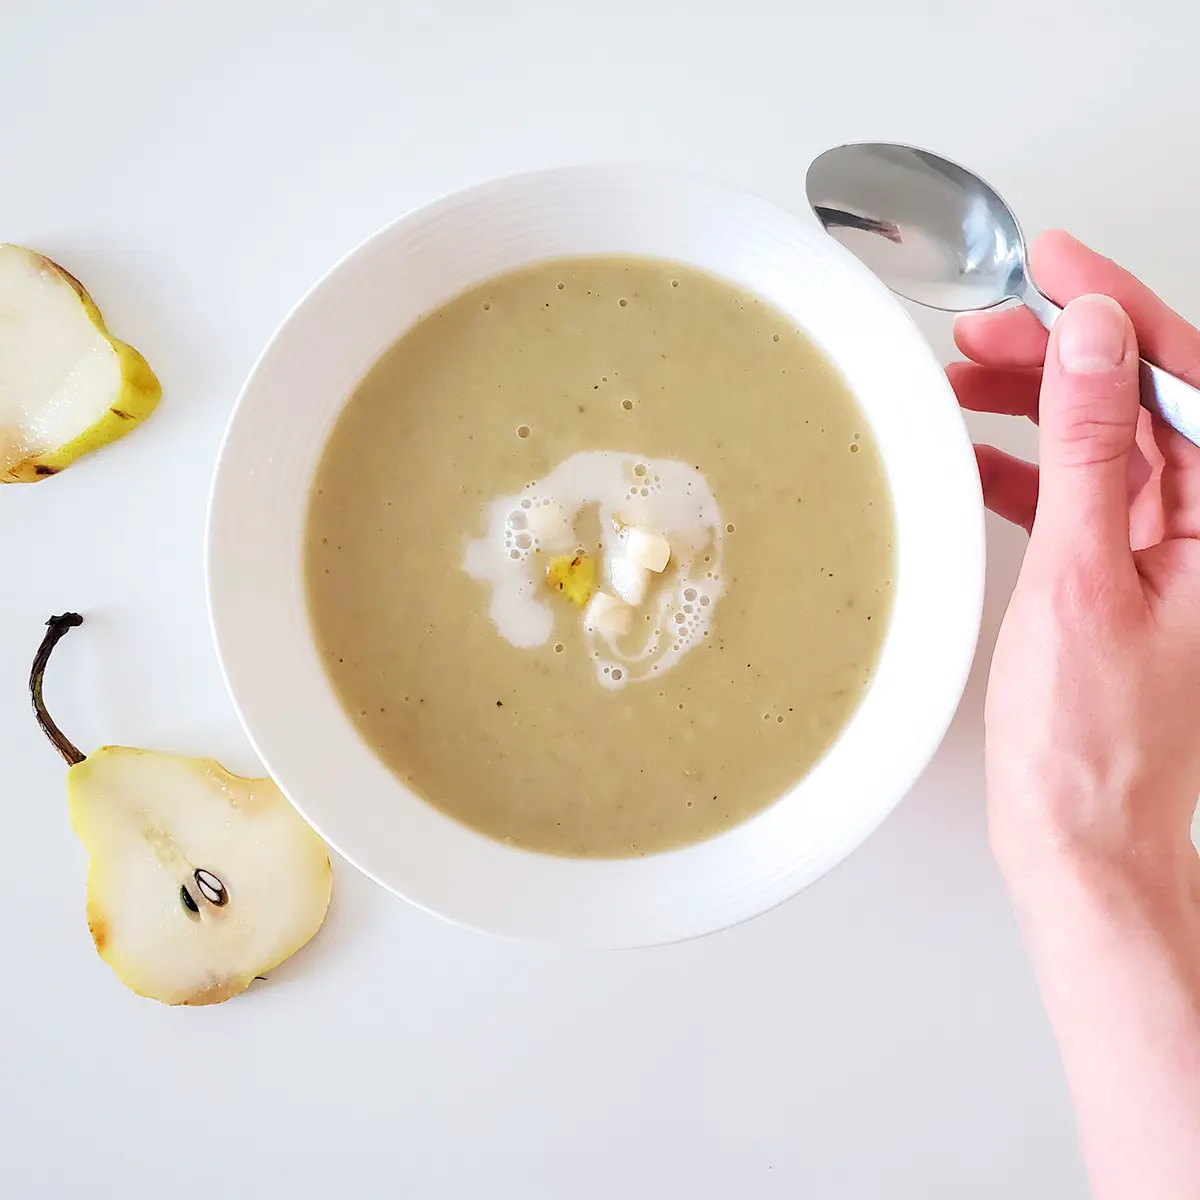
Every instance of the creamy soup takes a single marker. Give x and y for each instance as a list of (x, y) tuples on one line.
[(599, 556)]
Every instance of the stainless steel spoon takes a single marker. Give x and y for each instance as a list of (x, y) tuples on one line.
[(936, 233)]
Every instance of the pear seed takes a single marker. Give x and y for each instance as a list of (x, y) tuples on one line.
[(211, 888), (185, 898)]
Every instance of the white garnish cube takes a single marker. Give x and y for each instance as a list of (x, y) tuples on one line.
[(607, 615), (646, 550), (628, 580)]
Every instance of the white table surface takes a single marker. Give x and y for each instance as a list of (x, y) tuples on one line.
[(198, 166)]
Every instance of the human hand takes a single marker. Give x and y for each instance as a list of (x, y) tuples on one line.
[(1093, 704), (1093, 750)]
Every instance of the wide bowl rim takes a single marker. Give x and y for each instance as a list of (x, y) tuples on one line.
[(955, 671)]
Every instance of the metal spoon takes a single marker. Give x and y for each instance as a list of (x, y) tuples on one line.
[(936, 233)]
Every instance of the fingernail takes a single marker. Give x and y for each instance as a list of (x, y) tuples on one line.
[(1092, 335)]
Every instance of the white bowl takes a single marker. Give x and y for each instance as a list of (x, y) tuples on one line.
[(256, 534)]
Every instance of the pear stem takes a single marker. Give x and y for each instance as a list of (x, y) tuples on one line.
[(56, 627)]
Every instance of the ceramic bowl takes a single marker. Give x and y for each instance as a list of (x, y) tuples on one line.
[(256, 534)]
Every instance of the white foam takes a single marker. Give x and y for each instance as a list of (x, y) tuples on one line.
[(670, 499)]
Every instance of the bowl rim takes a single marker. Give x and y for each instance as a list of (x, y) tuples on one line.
[(956, 673)]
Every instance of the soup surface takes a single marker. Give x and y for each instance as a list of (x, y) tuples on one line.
[(600, 412)]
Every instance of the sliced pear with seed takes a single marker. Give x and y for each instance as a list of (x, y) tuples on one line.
[(198, 880), (66, 385)]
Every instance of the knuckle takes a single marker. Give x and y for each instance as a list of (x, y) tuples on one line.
[(1084, 433)]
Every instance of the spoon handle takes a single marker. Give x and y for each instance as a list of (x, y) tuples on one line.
[(1178, 403)]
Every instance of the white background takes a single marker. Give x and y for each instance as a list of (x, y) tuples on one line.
[(198, 166)]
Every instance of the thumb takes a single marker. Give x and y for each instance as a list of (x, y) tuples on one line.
[(1088, 416)]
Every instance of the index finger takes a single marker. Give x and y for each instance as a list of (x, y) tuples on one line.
[(1065, 268)]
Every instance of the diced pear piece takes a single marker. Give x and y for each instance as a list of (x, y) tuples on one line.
[(627, 579), (198, 880), (66, 386), (574, 575), (607, 615), (646, 550)]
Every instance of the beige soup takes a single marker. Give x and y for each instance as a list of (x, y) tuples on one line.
[(572, 393)]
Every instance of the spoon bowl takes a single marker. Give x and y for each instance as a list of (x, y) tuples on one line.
[(937, 234), (930, 229)]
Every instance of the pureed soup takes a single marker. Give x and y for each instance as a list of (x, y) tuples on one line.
[(599, 556)]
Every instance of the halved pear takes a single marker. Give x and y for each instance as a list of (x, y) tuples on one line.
[(198, 880), (66, 386)]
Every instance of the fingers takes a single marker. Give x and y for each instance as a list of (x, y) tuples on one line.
[(988, 389), (1012, 343), (1180, 481), (1089, 416), (1010, 486), (1065, 268), (1011, 337)]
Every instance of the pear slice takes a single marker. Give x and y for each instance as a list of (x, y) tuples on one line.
[(66, 386), (198, 880), (646, 550), (607, 615), (627, 579)]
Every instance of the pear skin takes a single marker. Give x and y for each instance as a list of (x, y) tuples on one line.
[(147, 820), (198, 880), (134, 390)]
